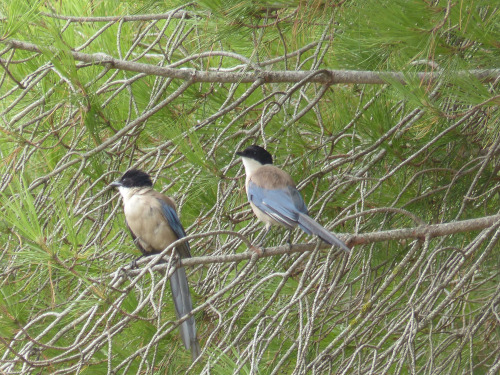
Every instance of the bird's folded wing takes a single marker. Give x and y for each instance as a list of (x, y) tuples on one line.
[(283, 205), (173, 220)]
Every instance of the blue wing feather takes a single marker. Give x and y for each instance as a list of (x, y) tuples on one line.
[(298, 202), (174, 222), (287, 207), (283, 205)]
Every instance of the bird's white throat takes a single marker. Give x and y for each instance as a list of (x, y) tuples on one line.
[(251, 165), (128, 192)]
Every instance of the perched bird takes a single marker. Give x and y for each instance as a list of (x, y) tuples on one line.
[(153, 223), (274, 198)]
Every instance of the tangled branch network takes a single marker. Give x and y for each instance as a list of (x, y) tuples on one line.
[(410, 298)]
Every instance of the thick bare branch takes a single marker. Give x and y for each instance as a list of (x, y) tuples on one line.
[(420, 232), (139, 17), (327, 77)]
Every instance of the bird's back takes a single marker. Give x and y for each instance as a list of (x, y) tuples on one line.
[(271, 177)]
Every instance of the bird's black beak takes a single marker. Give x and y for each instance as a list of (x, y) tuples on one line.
[(240, 153), (115, 184)]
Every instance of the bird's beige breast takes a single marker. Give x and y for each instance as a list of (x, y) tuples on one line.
[(147, 222)]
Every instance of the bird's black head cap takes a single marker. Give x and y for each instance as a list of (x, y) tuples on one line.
[(135, 178), (257, 153)]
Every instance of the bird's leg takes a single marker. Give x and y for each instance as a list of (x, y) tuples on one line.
[(259, 249), (268, 227), (133, 264), (290, 239)]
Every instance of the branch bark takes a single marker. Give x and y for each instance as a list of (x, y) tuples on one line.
[(326, 76), (420, 232), (179, 14)]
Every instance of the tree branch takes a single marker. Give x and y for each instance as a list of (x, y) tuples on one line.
[(139, 17), (326, 76), (434, 230)]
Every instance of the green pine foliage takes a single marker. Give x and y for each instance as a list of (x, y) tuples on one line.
[(414, 153)]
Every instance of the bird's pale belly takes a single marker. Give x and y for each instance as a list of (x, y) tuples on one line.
[(148, 220)]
